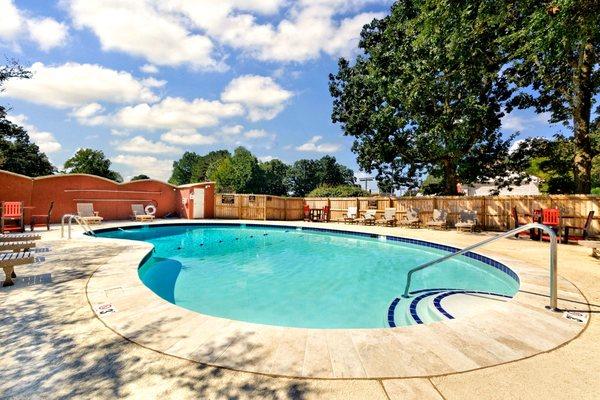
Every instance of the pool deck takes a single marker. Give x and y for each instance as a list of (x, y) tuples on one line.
[(55, 343)]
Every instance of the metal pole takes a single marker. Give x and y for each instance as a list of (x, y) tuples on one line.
[(553, 272)]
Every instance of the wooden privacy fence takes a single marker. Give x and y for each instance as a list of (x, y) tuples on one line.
[(258, 207), (494, 212)]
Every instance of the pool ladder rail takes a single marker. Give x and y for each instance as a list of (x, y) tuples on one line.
[(80, 221), (553, 259)]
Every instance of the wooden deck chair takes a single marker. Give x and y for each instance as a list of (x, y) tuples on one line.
[(467, 220), (139, 214), (438, 221), (8, 262), (19, 237), (16, 246), (389, 217), (351, 215), (368, 217), (42, 219), (585, 229), (11, 212), (411, 219), (87, 213)]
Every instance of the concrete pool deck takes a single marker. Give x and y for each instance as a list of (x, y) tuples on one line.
[(56, 346)]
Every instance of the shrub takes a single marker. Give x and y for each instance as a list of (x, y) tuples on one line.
[(338, 191)]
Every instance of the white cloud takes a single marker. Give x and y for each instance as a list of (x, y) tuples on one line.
[(118, 132), (149, 165), (231, 130), (73, 85), (87, 111), (16, 24), (139, 144), (187, 137), (47, 32), (149, 69), (146, 29), (261, 95), (153, 83), (256, 134), (313, 145), (266, 158), (513, 123), (45, 140), (173, 113), (528, 121)]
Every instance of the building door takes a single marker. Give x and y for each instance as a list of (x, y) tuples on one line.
[(198, 203)]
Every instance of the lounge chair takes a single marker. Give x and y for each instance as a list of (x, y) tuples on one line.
[(87, 213), (11, 211), (584, 230), (19, 237), (411, 219), (351, 214), (306, 211), (438, 221), (139, 214), (389, 217), (467, 220), (9, 260), (368, 217), (42, 219), (16, 246)]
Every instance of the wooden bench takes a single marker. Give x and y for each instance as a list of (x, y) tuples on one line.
[(14, 246), (8, 261), (19, 237), (593, 244)]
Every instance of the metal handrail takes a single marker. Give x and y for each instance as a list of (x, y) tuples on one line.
[(553, 259), (80, 221)]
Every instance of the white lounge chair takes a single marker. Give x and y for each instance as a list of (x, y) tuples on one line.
[(467, 220), (438, 220), (87, 213), (9, 260), (368, 217), (19, 237), (411, 219), (139, 214), (389, 217), (351, 215)]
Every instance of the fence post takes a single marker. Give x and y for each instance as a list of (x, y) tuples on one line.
[(484, 214), (239, 200), (265, 208)]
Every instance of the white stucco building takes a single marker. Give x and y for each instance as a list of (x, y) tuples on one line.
[(487, 188)]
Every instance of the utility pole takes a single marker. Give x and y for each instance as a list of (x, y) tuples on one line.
[(366, 180)]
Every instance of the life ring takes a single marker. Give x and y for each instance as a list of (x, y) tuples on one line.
[(150, 209)]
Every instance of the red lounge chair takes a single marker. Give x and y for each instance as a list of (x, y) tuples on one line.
[(306, 212), (12, 211), (550, 218), (325, 214), (584, 230), (42, 220)]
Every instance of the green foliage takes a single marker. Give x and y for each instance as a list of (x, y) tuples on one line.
[(596, 190), (427, 95), (17, 153), (192, 167), (306, 175), (338, 191), (92, 162), (555, 49), (239, 173), (274, 175), (140, 177)]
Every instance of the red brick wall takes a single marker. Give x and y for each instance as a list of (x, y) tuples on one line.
[(112, 200)]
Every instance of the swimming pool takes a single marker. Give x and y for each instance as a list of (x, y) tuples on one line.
[(306, 277)]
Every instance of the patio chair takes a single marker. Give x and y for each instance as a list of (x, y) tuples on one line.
[(19, 237), (87, 213), (389, 217), (351, 215), (12, 212), (16, 246), (8, 262), (411, 219), (139, 214), (325, 214), (306, 212), (467, 220), (438, 220), (518, 222), (368, 218), (585, 230), (42, 220)]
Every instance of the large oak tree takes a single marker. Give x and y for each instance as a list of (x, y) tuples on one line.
[(427, 94)]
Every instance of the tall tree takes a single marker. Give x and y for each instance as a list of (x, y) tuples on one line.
[(274, 172), (330, 173), (140, 177), (555, 49), (302, 177), (427, 95), (93, 162), (239, 173), (17, 153), (183, 168)]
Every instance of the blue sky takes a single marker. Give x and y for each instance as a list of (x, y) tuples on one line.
[(146, 80)]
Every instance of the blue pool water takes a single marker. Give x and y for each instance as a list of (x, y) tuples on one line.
[(297, 278)]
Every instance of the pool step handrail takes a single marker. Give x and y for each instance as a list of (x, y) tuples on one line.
[(80, 221), (553, 259)]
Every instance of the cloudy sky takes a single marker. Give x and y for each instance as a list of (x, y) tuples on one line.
[(145, 80)]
